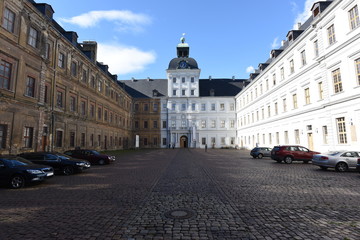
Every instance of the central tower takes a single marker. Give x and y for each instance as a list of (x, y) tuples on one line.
[(183, 73)]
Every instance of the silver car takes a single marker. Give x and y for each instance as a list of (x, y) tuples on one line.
[(340, 160)]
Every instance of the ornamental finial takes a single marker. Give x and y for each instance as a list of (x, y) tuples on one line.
[(182, 39)]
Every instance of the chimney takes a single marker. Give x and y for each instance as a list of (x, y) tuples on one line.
[(90, 50), (210, 78), (282, 43), (298, 25)]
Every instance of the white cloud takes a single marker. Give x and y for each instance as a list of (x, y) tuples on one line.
[(275, 44), (250, 69), (303, 16), (124, 19), (124, 59)]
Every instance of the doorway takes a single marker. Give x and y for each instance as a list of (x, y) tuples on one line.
[(310, 141), (183, 141)]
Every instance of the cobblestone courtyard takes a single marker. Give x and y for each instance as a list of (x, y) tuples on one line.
[(187, 194)]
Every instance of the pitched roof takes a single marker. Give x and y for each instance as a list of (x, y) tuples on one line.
[(221, 87), (144, 88)]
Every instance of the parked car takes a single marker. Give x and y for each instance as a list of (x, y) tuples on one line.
[(290, 153), (60, 162), (260, 152), (340, 160), (358, 165), (16, 171), (92, 156)]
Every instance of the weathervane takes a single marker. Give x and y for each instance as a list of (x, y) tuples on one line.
[(182, 39)]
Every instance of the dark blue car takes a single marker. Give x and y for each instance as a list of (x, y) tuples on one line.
[(15, 171)]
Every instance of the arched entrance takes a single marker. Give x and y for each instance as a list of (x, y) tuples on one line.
[(183, 141)]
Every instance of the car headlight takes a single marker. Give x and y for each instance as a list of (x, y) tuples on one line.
[(34, 171), (80, 164)]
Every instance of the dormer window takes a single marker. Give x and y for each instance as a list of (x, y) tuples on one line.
[(316, 11), (212, 92), (290, 37)]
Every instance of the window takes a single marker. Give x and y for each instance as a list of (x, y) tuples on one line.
[(297, 136), (357, 63), (99, 113), (354, 17), (284, 105), (28, 137), (155, 124), (222, 123), (321, 90), (59, 99), (72, 104), (183, 92), (203, 123), (193, 107), (92, 110), (155, 107), (295, 104), (174, 80), (337, 81), (182, 79), (222, 107), (316, 48), (5, 74), (213, 123), (232, 107), (222, 141), (183, 124), (164, 141), (93, 82), (174, 92), (164, 124), (213, 107), (192, 79), (340, 122), (269, 111), (136, 124), (203, 107), (303, 58), (192, 92), (331, 35), (73, 68), (173, 124), (100, 86), (292, 67), (105, 115), (282, 73), (72, 139), (9, 20), (3, 129), (83, 108), (173, 107), (277, 137), (92, 140), (47, 50), (286, 137), (232, 123), (307, 96), (84, 76), (33, 37), (276, 108), (270, 138), (267, 85), (146, 125), (61, 60), (46, 93), (30, 87), (274, 79), (203, 141), (59, 138), (325, 134), (183, 106), (146, 107), (99, 140)]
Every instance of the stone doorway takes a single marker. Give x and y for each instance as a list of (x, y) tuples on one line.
[(183, 141)]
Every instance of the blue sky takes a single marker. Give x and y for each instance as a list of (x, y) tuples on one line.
[(138, 38)]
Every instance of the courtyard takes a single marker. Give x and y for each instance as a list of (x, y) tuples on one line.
[(187, 194)]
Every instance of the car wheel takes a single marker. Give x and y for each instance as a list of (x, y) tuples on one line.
[(288, 159), (17, 181), (101, 162), (260, 156), (341, 167), (323, 168), (68, 170)]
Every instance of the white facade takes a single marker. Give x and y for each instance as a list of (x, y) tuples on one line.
[(310, 93)]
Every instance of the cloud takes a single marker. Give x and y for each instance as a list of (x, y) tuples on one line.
[(303, 16), (275, 44), (124, 59), (125, 20), (250, 69)]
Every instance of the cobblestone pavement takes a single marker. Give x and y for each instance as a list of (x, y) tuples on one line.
[(187, 194)]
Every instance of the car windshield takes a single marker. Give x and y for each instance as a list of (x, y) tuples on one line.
[(17, 161), (332, 153), (95, 152), (63, 156)]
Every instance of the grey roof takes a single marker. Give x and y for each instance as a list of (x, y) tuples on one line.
[(144, 88), (174, 63)]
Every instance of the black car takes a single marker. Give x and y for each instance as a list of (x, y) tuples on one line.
[(260, 152), (16, 171), (60, 162), (92, 156)]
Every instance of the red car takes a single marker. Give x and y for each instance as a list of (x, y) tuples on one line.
[(92, 156), (288, 154)]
